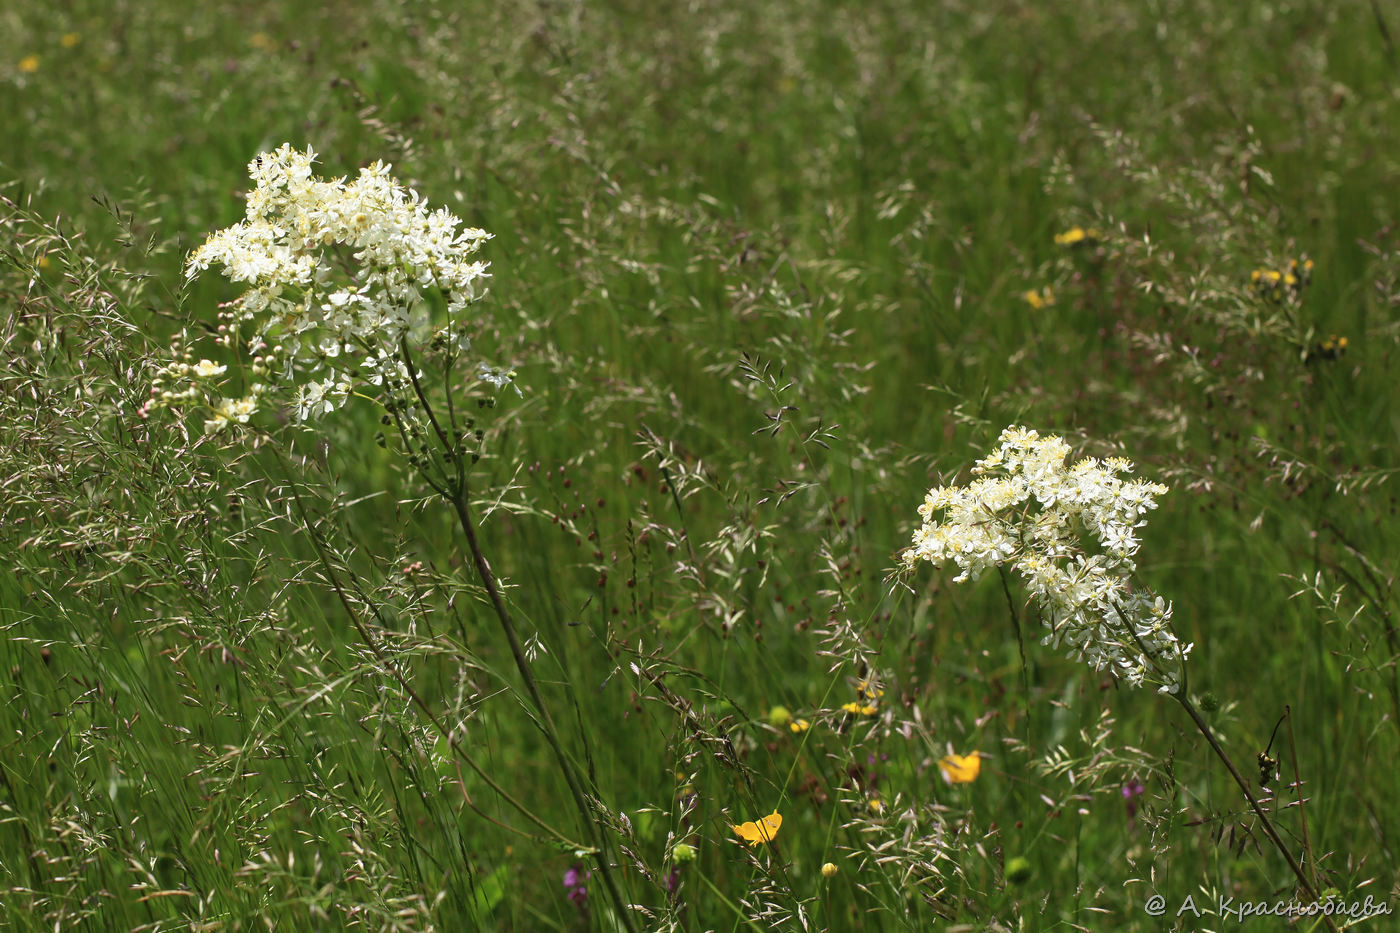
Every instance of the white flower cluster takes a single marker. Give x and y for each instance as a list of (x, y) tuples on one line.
[(1071, 532), (339, 275)]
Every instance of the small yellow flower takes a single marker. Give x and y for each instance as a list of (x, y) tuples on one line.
[(876, 805), (29, 64), (869, 692), (1039, 299), (961, 769), (1075, 236), (70, 39), (799, 725), (860, 709), (762, 831), (829, 870), (1331, 348)]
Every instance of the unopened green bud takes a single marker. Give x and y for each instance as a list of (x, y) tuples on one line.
[(1018, 870)]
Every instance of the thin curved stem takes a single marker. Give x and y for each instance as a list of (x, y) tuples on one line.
[(459, 497), (1254, 804), (546, 722), (398, 675)]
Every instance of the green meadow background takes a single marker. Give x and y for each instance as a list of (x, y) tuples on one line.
[(761, 269)]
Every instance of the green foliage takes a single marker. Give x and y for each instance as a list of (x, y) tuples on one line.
[(761, 271)]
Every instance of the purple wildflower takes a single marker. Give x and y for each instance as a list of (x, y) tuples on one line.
[(1131, 790), (575, 879)]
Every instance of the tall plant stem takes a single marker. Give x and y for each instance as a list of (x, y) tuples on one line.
[(1264, 820), (457, 493), (546, 722), (384, 662)]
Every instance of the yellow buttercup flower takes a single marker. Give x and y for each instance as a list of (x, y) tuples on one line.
[(761, 831), (29, 64), (1074, 236), (860, 709), (1039, 299), (799, 725), (961, 769)]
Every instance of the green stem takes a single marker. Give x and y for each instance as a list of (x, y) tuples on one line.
[(546, 722), (1254, 804), (459, 497), (388, 665)]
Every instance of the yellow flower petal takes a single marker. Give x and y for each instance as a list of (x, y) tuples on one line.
[(762, 831), (1076, 235), (961, 769)]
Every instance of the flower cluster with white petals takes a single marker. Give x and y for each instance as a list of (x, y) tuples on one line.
[(342, 276), (1071, 532)]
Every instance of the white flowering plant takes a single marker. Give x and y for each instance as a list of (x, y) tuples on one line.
[(344, 281), (348, 282), (1070, 530)]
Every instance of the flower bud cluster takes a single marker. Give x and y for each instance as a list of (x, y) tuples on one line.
[(1276, 285), (1071, 533), (340, 278), (185, 384)]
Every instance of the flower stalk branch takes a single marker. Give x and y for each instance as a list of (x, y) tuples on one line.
[(1264, 821)]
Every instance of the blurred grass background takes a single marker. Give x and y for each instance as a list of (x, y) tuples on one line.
[(761, 271)]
